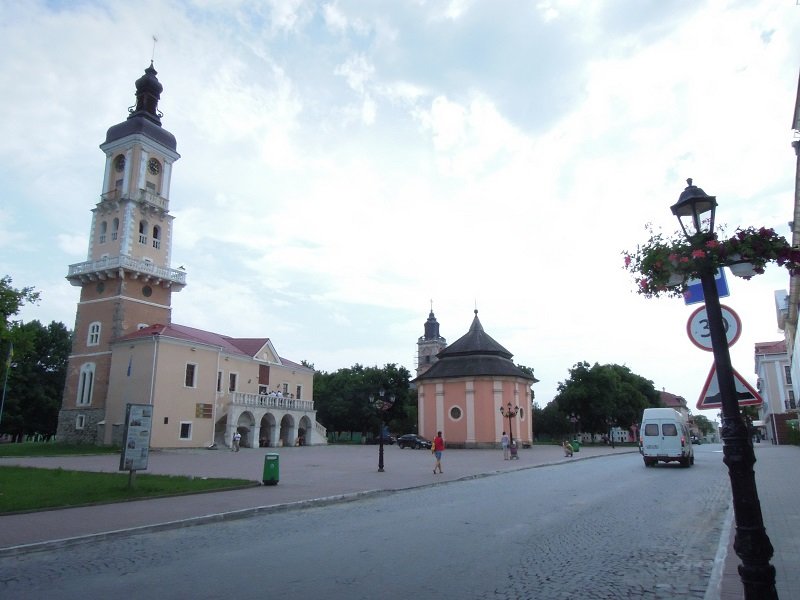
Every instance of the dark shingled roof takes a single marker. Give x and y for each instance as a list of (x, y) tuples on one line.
[(474, 354)]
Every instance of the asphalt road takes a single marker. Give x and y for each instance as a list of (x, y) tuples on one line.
[(603, 528)]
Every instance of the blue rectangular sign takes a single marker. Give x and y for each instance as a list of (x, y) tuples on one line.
[(694, 292)]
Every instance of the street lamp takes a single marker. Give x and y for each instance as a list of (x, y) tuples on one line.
[(382, 405), (695, 212), (574, 419), (510, 413)]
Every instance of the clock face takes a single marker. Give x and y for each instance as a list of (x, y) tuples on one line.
[(119, 163), (154, 166)]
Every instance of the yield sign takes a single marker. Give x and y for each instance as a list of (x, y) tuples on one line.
[(711, 398)]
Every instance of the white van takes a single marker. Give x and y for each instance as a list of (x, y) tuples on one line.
[(664, 436)]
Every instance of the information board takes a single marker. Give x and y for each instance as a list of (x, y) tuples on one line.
[(136, 437)]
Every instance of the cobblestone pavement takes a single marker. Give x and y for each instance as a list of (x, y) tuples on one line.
[(325, 475)]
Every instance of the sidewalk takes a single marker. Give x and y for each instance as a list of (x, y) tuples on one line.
[(323, 474)]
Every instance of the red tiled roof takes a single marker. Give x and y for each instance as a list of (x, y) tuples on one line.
[(672, 401), (244, 346), (778, 347)]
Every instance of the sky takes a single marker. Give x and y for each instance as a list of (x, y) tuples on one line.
[(347, 165)]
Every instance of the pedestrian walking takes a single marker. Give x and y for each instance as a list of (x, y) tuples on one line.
[(236, 439), (504, 444), (437, 448)]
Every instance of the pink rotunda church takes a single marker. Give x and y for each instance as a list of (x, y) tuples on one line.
[(462, 389)]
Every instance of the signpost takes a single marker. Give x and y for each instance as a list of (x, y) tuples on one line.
[(698, 331), (136, 440), (694, 290), (710, 397)]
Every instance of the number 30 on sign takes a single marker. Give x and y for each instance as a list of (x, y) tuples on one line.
[(699, 333)]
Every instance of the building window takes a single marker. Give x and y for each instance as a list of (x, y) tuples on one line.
[(85, 384), (156, 237), (232, 379), (263, 390), (219, 381), (191, 375), (114, 228), (455, 413), (142, 232), (186, 430), (103, 231), (299, 392), (93, 339), (787, 374), (285, 389), (80, 421)]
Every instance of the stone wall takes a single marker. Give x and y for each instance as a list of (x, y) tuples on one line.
[(68, 433)]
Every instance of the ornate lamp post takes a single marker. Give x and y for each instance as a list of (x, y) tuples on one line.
[(510, 413), (382, 405), (574, 419), (695, 212)]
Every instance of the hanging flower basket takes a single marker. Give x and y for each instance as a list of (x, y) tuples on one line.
[(663, 265)]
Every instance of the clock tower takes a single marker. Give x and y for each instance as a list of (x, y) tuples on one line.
[(429, 345), (126, 281)]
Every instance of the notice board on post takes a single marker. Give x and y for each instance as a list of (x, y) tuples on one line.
[(136, 437)]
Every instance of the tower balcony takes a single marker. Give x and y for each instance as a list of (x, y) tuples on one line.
[(145, 196), (114, 267)]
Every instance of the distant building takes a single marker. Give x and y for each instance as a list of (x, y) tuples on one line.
[(774, 385), (203, 386), (461, 390)]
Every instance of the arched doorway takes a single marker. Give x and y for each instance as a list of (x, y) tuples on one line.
[(304, 431), (266, 432), (287, 430), (244, 425)]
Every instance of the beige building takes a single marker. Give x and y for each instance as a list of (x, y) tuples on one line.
[(203, 386)]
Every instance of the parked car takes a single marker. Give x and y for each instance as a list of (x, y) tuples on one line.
[(412, 440), (696, 440), (387, 440)]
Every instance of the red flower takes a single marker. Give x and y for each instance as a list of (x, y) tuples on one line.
[(698, 254)]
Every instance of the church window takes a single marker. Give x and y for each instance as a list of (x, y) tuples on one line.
[(186, 430), (85, 384), (93, 339), (142, 232), (191, 375), (119, 163), (147, 291), (80, 421), (156, 237), (103, 229), (455, 413), (114, 228)]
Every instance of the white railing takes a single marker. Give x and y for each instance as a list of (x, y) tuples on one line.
[(321, 430), (144, 196), (129, 264), (268, 401)]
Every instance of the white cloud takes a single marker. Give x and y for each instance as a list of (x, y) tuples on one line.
[(343, 164)]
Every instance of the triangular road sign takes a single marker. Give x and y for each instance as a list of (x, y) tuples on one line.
[(711, 398)]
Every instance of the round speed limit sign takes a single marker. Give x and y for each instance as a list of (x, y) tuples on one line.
[(700, 334)]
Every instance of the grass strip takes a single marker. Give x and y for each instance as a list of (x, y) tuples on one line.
[(28, 488), (27, 449)]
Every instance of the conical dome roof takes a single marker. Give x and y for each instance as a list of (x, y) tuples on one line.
[(474, 354)]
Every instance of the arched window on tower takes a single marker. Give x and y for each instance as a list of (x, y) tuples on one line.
[(103, 230), (85, 384), (156, 237), (142, 232), (93, 339), (114, 228)]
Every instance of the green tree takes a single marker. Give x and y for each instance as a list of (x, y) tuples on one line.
[(603, 393), (703, 424), (342, 402), (36, 379), (11, 301)]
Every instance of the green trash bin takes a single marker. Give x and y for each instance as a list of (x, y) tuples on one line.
[(576, 446), (272, 471)]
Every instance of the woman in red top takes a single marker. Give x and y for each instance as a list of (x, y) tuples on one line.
[(437, 449)]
